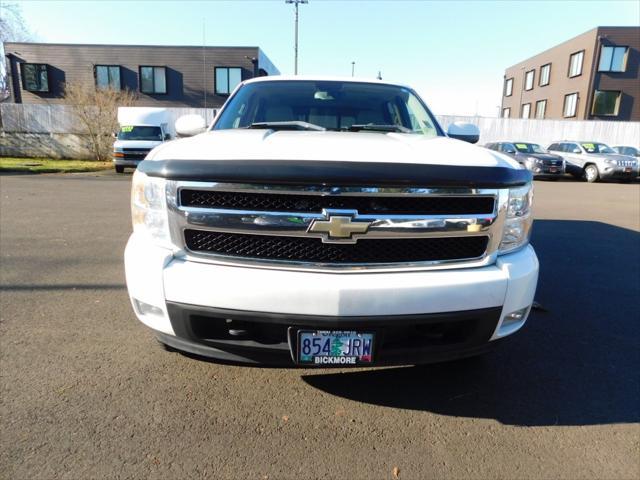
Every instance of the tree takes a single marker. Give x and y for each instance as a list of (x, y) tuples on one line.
[(96, 110), (13, 28)]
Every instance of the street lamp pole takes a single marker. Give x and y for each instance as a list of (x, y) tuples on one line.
[(353, 68), (296, 3)]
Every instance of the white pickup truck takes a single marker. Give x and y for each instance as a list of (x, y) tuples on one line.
[(324, 222)]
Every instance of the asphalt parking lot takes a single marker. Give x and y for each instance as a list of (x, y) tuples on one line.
[(87, 393)]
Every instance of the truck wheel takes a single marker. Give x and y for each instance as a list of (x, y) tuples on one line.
[(591, 174), (119, 169)]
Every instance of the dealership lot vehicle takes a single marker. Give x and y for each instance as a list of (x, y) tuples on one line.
[(533, 157), (82, 394), (141, 129), (595, 161), (287, 235), (630, 151)]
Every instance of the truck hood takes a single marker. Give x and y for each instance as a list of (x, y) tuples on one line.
[(243, 144), (141, 144)]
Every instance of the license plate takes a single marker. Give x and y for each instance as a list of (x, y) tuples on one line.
[(627, 170), (324, 347), (553, 169)]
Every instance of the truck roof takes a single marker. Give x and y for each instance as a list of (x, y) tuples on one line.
[(142, 116), (321, 78)]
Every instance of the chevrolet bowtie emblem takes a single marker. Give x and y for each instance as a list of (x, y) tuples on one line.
[(338, 227)]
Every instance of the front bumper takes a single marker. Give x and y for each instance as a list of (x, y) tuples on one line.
[(126, 162), (421, 316), (547, 171), (619, 173)]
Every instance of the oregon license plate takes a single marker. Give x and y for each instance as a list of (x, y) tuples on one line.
[(325, 347)]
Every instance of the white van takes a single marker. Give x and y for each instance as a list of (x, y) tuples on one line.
[(140, 129)]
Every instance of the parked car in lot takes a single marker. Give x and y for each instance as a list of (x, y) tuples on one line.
[(626, 150), (533, 157), (595, 161), (324, 222)]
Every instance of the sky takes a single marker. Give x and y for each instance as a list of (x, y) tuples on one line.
[(453, 53)]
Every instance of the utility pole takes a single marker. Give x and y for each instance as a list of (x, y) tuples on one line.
[(353, 68), (296, 3)]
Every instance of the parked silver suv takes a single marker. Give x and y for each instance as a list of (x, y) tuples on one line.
[(595, 161)]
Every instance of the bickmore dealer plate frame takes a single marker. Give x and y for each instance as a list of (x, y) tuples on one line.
[(332, 347)]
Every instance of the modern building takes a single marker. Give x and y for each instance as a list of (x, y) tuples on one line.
[(593, 76), (162, 76)]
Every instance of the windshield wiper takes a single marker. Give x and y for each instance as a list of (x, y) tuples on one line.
[(292, 125), (379, 128)]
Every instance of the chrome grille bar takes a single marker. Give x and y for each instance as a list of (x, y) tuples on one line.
[(296, 224)]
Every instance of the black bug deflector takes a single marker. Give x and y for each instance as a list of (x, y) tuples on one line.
[(338, 173)]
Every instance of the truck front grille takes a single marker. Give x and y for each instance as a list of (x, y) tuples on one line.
[(336, 228), (275, 202), (135, 153), (298, 249)]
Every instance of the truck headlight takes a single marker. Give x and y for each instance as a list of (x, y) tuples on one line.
[(149, 208), (517, 225)]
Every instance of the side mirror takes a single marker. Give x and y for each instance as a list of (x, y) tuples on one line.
[(190, 125), (114, 134), (467, 132), (166, 137), (510, 151), (577, 150)]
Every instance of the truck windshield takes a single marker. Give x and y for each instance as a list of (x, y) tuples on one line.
[(130, 132), (330, 105), (597, 148), (529, 148)]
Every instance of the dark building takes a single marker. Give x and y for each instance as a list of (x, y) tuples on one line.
[(162, 76), (593, 76)]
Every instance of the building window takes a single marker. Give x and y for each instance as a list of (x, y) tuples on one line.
[(108, 76), (508, 87), (606, 102), (35, 77), (575, 64), (528, 79), (541, 108), (570, 105), (153, 80), (526, 110), (227, 78), (545, 74), (613, 59), (506, 112)]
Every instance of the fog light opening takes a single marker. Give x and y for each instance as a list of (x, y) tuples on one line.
[(145, 309), (513, 321)]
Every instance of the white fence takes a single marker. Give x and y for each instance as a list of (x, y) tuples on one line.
[(30, 118), (59, 119), (546, 131)]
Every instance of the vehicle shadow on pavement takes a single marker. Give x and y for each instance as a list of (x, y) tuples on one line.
[(575, 363)]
